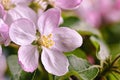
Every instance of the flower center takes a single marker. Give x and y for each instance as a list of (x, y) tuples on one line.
[(46, 41), (7, 4)]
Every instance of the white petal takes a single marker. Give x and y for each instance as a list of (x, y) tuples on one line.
[(54, 62), (22, 32), (68, 4), (48, 21), (20, 12), (2, 12), (28, 57), (66, 39), (20, 2)]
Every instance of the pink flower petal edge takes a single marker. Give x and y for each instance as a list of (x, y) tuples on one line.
[(49, 20), (22, 31), (28, 58), (54, 62), (66, 39)]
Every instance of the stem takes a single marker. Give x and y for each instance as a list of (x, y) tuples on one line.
[(101, 64), (33, 78), (105, 68), (118, 57), (108, 68), (116, 71), (115, 67), (71, 73)]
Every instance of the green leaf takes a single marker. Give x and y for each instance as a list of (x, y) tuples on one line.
[(85, 70), (16, 71), (26, 76), (89, 74), (115, 49), (77, 64), (69, 21), (14, 66)]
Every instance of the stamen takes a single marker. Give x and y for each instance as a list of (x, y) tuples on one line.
[(46, 41), (7, 4)]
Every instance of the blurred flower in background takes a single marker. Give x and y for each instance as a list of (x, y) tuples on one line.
[(98, 12), (16, 9)]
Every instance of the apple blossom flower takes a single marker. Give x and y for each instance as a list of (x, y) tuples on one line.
[(3, 67), (94, 12), (40, 5), (49, 37), (16, 9)]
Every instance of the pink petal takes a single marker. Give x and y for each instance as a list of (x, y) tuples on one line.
[(94, 18), (90, 12), (113, 16), (117, 4), (22, 32), (7, 42), (105, 5), (28, 57), (20, 12), (4, 33), (2, 12), (20, 1), (68, 4), (48, 21), (54, 62), (66, 39)]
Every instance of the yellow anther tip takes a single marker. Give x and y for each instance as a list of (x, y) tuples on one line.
[(47, 41)]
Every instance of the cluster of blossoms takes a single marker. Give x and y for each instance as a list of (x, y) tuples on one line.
[(35, 27), (96, 12)]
